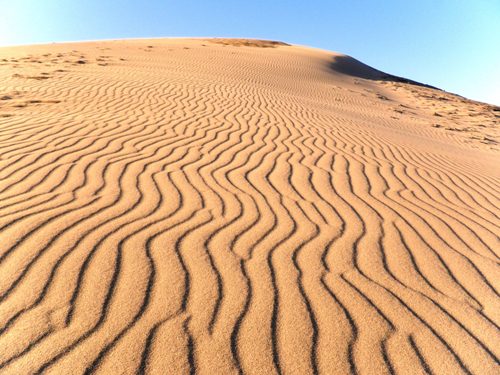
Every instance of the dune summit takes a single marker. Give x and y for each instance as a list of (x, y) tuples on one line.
[(226, 206)]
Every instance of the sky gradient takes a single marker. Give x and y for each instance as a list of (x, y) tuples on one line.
[(451, 44)]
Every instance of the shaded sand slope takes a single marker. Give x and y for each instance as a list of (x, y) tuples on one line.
[(191, 206)]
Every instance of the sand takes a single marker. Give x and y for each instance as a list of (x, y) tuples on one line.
[(186, 206)]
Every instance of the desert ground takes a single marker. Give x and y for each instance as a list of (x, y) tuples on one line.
[(218, 206)]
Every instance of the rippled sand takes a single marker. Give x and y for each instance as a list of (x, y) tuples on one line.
[(211, 206)]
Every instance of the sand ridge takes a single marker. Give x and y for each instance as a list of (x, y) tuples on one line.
[(206, 206)]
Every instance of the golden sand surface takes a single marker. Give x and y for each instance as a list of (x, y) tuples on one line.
[(181, 206)]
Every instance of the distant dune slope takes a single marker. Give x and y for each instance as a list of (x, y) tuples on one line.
[(195, 206)]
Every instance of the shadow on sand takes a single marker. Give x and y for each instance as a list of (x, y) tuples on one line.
[(350, 66)]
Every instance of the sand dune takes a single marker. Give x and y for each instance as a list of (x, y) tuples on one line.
[(195, 206)]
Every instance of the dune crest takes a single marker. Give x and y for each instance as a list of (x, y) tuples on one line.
[(207, 206)]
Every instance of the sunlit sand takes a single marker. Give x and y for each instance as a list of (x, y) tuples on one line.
[(226, 206)]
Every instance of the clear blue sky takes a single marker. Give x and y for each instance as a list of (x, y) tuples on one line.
[(452, 44)]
